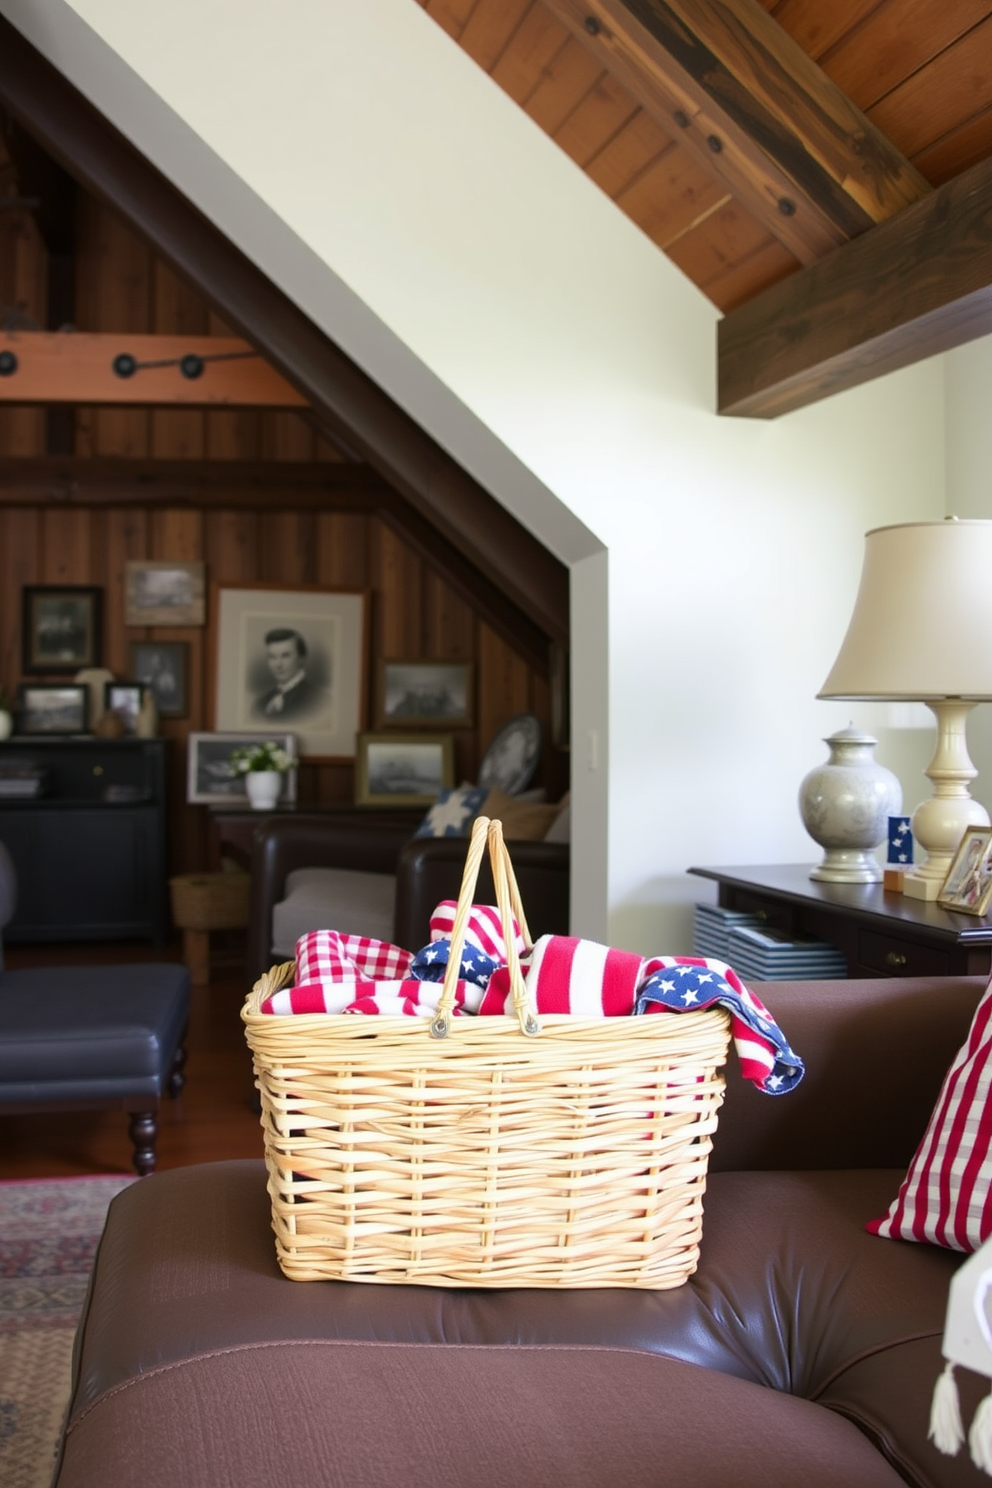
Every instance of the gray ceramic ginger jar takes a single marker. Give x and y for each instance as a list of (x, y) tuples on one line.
[(845, 804)]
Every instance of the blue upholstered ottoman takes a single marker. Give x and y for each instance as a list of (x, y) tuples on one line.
[(94, 1038)]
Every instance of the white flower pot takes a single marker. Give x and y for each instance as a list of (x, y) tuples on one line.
[(263, 787)]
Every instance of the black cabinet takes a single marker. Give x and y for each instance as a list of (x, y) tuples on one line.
[(90, 850)]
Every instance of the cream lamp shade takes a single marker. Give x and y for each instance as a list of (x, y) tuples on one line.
[(922, 631)]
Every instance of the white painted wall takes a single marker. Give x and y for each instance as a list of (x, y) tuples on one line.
[(385, 183)]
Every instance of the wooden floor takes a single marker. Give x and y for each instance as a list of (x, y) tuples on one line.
[(212, 1119)]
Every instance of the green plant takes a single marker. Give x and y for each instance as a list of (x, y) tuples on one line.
[(267, 755)]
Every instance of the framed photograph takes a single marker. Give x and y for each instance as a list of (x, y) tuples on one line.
[(968, 886), (164, 593), (403, 769), (295, 659), (163, 666), (61, 628), (435, 693), (124, 699), (210, 776), (52, 707)]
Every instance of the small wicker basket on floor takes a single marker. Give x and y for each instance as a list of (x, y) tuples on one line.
[(210, 901), (482, 1157)]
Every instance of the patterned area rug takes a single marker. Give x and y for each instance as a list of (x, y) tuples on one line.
[(49, 1229)]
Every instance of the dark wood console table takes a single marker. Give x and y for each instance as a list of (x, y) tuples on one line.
[(90, 850), (233, 827), (879, 934)]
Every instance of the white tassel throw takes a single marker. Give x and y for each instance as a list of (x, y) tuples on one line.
[(946, 1427)]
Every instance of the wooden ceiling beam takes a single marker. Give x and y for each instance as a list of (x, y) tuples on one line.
[(80, 368), (210, 484), (732, 87), (914, 286)]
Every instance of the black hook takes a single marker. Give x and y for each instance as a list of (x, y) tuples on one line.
[(191, 366), (124, 365), (8, 364)]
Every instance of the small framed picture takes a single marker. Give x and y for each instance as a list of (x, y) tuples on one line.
[(211, 779), (437, 694), (164, 667), (403, 769), (52, 708), (164, 593), (968, 886), (124, 699), (61, 628)]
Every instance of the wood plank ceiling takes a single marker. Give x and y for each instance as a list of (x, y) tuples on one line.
[(753, 140)]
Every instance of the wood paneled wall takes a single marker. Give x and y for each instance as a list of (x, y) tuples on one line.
[(121, 286)]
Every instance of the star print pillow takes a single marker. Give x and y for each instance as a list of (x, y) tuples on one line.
[(453, 812)]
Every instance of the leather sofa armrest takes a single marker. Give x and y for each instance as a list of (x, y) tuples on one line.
[(876, 1053), (430, 869), (282, 844)]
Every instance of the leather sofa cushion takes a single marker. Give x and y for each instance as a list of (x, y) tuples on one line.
[(343, 899), (339, 1414), (790, 1293), (89, 1032)]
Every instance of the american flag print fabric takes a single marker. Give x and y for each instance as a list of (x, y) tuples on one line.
[(681, 983), (569, 975), (946, 1197), (483, 929)]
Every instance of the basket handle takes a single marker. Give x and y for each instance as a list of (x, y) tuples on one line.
[(486, 832)]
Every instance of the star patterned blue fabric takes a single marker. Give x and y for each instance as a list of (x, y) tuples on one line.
[(765, 1056), (900, 853), (453, 812), (430, 963)]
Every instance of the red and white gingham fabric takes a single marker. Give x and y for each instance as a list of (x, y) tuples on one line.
[(351, 974), (568, 975), (946, 1196), (326, 955), (482, 930)]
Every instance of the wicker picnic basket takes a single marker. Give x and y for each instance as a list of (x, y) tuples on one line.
[(500, 1151)]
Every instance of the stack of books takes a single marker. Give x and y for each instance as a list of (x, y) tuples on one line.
[(773, 956), (712, 927), (22, 780)]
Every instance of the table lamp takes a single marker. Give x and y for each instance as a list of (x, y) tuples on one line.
[(921, 631)]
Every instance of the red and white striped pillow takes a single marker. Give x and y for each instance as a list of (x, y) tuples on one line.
[(946, 1196)]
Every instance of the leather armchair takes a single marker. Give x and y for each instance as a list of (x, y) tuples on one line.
[(427, 869)]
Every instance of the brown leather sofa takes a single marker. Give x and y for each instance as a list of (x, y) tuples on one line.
[(803, 1352), (428, 869)]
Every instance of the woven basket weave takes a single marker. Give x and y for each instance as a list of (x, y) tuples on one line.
[(210, 901), (483, 1157)]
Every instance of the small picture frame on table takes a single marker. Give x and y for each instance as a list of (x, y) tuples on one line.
[(968, 886), (403, 769), (60, 628), (124, 699), (52, 708), (211, 779), (163, 666)]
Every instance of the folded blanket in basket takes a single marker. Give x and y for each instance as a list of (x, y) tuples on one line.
[(398, 997)]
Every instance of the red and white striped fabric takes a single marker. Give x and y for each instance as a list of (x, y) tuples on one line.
[(483, 929), (946, 1196), (409, 999), (568, 975), (328, 956)]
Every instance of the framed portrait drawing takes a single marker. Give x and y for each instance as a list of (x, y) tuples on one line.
[(968, 886), (292, 659), (437, 694), (61, 628), (52, 708), (403, 769), (164, 592), (210, 777), (163, 666)]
